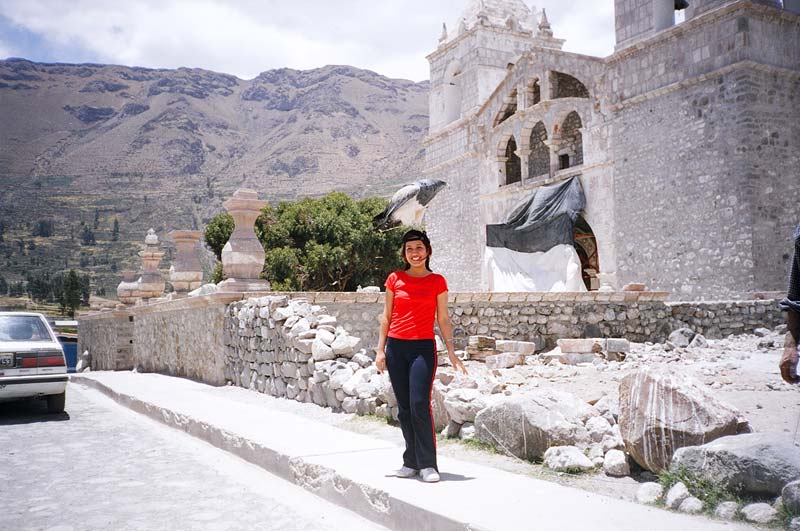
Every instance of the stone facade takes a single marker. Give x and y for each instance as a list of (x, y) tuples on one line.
[(685, 141)]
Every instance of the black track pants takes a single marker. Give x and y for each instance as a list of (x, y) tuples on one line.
[(412, 367)]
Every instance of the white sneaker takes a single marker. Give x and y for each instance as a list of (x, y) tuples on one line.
[(406, 472), (429, 475)]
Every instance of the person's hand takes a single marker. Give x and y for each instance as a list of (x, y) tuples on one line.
[(788, 363), (457, 364), (380, 360)]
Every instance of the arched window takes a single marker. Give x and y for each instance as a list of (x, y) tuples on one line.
[(508, 109), (534, 93), (513, 163), (539, 158), (571, 146), (566, 86)]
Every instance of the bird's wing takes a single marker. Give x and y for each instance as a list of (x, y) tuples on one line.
[(401, 197), (428, 188)]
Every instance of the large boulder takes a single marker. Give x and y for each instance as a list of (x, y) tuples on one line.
[(754, 463), (526, 425), (662, 411)]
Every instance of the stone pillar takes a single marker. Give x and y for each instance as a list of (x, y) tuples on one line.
[(151, 283), (524, 162), (552, 144), (186, 273), (128, 289), (243, 255)]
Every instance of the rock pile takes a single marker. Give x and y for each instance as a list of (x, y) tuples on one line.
[(293, 349)]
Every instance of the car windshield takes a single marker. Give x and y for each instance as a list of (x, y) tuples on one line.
[(22, 328)]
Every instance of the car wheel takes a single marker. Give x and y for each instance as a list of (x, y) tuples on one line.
[(55, 403)]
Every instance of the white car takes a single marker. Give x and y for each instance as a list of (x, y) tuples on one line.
[(32, 363)]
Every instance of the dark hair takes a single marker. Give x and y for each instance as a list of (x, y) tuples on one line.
[(416, 236)]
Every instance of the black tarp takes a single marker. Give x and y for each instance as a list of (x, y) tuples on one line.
[(543, 220)]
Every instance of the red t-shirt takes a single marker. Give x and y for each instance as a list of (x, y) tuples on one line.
[(414, 308)]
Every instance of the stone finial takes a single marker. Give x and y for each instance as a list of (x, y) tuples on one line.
[(443, 36), (545, 30), (128, 289), (186, 272), (462, 27), (151, 283), (243, 255)]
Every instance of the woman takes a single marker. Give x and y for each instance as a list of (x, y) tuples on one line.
[(414, 297)]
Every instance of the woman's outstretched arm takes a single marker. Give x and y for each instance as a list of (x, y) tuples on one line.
[(385, 318)]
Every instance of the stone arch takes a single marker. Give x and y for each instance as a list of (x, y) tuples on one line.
[(586, 247), (539, 156), (508, 109), (512, 164), (565, 86), (452, 92), (570, 142)]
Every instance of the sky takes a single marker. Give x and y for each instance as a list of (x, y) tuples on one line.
[(247, 37)]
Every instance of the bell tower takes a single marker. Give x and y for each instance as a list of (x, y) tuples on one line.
[(634, 21), (473, 57)]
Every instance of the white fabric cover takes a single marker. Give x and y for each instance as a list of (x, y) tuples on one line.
[(558, 269)]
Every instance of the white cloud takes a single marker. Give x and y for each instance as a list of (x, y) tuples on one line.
[(245, 37)]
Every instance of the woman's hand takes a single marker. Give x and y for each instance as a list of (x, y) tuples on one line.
[(380, 360), (457, 364)]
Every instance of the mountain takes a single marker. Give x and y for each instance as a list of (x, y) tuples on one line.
[(84, 145)]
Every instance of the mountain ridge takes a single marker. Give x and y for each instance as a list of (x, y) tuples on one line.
[(84, 144)]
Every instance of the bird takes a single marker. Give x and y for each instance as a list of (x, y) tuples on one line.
[(408, 204)]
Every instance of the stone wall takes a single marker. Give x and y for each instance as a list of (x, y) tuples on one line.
[(207, 339), (543, 318), (182, 338), (108, 336)]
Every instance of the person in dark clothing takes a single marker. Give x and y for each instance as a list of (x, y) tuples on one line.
[(791, 304), (406, 347)]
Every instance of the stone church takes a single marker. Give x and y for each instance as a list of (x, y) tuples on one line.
[(685, 141)]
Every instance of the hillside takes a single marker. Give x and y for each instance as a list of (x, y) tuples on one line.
[(82, 145)]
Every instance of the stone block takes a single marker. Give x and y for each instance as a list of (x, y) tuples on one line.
[(617, 345), (504, 360), (582, 346)]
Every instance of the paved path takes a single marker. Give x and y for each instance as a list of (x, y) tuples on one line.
[(351, 469), (102, 467)]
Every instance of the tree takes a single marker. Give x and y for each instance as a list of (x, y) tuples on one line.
[(86, 288), (70, 297), (325, 244), (3, 287), (218, 231), (44, 228), (96, 218), (2, 230), (115, 231), (87, 236)]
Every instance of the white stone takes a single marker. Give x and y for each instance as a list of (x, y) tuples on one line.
[(691, 505), (345, 345), (321, 352), (566, 459), (598, 427), (452, 430), (326, 337), (362, 359), (615, 464), (504, 360), (349, 404), (340, 377), (463, 404), (467, 431), (676, 494), (726, 510), (759, 513), (649, 493)]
